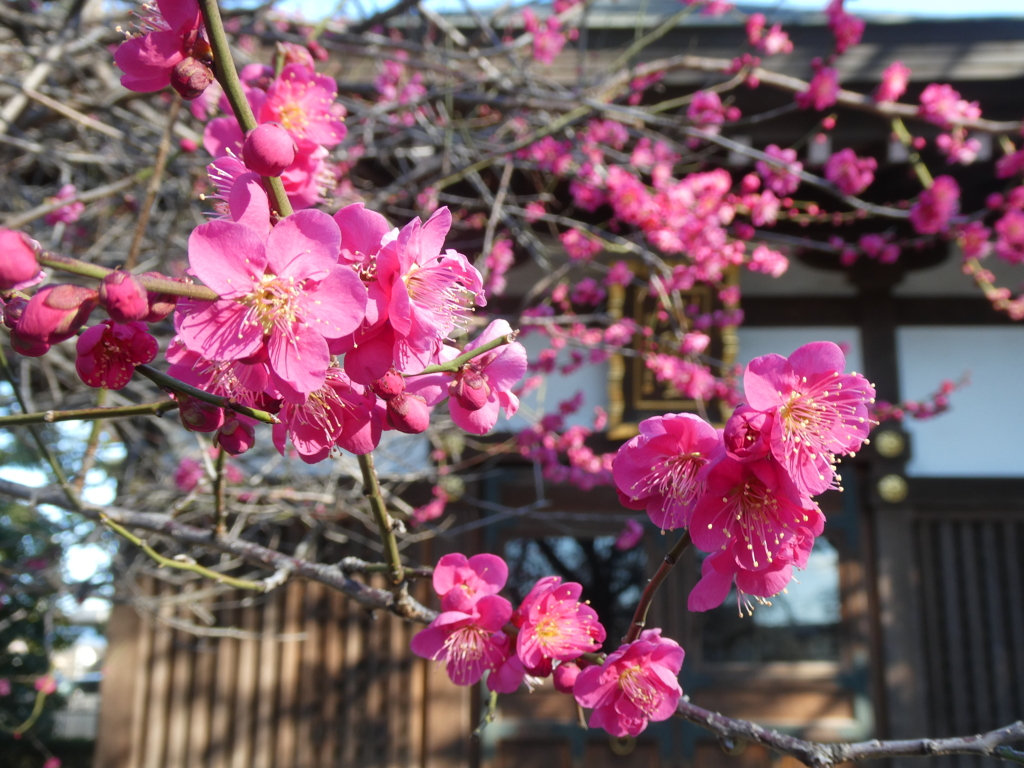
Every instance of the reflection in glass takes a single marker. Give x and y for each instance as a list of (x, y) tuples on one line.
[(801, 624)]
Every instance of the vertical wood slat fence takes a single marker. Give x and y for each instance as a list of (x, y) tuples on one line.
[(971, 571), (312, 681)]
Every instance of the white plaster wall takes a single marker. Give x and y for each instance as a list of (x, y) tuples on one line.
[(592, 380), (755, 342), (983, 434)]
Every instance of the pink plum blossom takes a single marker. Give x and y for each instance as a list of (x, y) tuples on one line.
[(629, 536), (283, 291), (819, 410), (432, 510), (172, 51), (109, 352), (942, 105), (417, 297), (720, 570), (470, 642), (245, 381), (822, 91), (338, 413), (850, 173), (750, 510), (781, 178), (1010, 237), (636, 684), (5, 686), (767, 261), (848, 29), (936, 206), (773, 42), (555, 625), (1010, 165), (707, 112), (578, 246), (957, 147), (68, 213), (460, 581), (482, 388), (303, 103), (659, 470), (894, 82), (190, 472), (747, 434), (508, 674), (974, 240)]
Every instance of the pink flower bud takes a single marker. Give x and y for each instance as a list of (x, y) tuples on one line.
[(124, 297), (294, 53), (190, 77), (188, 145), (389, 386), (268, 149), (565, 676), (470, 389), (408, 413), (160, 304), (188, 474), (235, 436), (18, 263), (197, 416), (54, 314)]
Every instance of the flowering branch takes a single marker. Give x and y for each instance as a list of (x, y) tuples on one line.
[(161, 379), (453, 366), (90, 414), (826, 755), (385, 523), (331, 575), (647, 597), (155, 284), (227, 76), (183, 564)]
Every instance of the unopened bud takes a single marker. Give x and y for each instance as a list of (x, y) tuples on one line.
[(235, 436), (18, 264), (268, 150), (198, 416), (124, 297), (53, 314), (565, 676), (190, 77), (408, 413), (160, 304), (470, 389), (389, 386)]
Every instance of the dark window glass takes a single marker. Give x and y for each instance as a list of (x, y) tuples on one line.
[(801, 624)]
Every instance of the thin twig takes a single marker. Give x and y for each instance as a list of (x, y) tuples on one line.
[(154, 184)]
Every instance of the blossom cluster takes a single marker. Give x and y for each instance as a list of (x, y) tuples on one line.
[(548, 635), (328, 322), (745, 492)]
